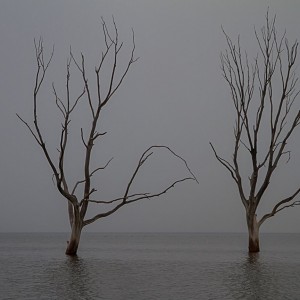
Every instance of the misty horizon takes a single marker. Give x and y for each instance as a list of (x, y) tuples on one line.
[(174, 95)]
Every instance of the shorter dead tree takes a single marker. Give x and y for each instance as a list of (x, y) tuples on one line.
[(264, 95), (78, 202)]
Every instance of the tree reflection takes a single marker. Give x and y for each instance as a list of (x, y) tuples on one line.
[(71, 279), (253, 258), (252, 278)]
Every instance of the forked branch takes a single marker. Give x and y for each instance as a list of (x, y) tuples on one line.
[(130, 198)]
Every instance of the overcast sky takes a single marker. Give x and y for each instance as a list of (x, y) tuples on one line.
[(174, 95)]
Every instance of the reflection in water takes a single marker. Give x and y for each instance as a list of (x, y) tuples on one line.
[(253, 258), (256, 278), (253, 278), (78, 273), (72, 279), (150, 267)]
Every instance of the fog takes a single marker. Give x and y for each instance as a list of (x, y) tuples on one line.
[(174, 95)]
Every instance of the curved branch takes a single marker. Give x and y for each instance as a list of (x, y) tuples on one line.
[(280, 206), (142, 197), (126, 199), (225, 163)]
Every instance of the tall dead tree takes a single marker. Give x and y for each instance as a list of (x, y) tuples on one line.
[(78, 202), (264, 95)]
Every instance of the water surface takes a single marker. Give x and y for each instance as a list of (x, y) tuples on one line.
[(149, 266)]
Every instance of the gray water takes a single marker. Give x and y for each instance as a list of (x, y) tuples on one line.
[(149, 266)]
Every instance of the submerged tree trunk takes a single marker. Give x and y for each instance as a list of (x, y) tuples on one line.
[(73, 243), (253, 232)]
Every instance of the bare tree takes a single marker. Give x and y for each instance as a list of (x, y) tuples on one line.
[(263, 94), (78, 203)]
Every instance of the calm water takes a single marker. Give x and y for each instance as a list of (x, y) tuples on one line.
[(149, 266)]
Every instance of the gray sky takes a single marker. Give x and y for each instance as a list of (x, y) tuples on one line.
[(174, 95)]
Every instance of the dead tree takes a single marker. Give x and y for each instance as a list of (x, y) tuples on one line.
[(264, 95), (78, 202)]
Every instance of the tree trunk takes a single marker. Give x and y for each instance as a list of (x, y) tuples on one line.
[(73, 243), (253, 231)]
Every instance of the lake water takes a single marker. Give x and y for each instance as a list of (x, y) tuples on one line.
[(141, 266)]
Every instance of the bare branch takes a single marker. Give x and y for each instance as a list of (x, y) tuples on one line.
[(59, 102), (77, 100), (112, 89), (117, 199), (160, 193), (225, 163), (101, 168), (130, 198), (82, 138), (285, 203), (31, 131), (142, 197), (42, 67)]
